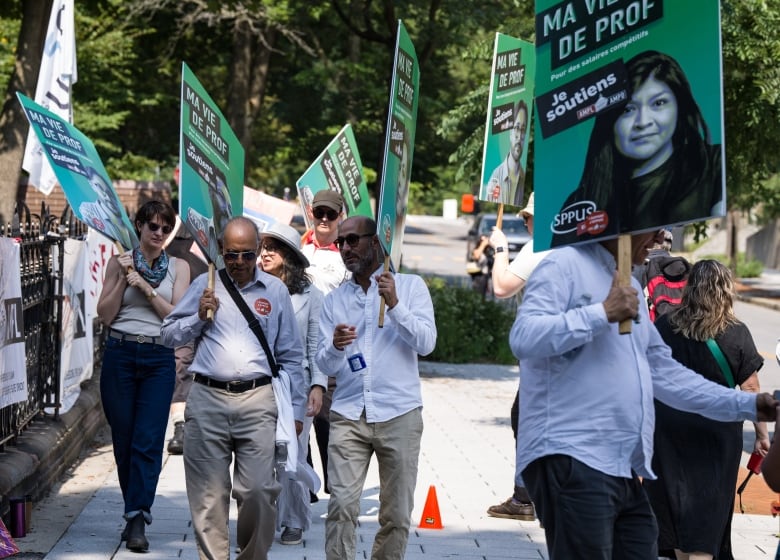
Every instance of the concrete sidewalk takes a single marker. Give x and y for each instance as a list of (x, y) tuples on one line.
[(467, 455)]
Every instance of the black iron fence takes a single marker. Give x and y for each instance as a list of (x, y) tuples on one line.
[(41, 238)]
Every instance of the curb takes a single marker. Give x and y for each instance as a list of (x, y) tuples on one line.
[(49, 446)]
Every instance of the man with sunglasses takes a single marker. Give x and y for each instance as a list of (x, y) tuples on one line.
[(327, 272), (231, 411), (377, 405)]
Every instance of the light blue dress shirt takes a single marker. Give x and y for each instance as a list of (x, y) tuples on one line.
[(227, 349), (587, 391), (389, 385)]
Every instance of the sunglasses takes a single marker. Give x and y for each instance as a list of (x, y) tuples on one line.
[(321, 212), (233, 256), (154, 227), (352, 239)]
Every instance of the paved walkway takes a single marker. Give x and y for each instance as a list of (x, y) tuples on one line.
[(467, 455)]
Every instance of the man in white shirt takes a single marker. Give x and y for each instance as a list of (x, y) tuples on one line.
[(377, 405), (586, 402), (327, 272)]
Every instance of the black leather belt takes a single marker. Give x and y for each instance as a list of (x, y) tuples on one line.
[(139, 338), (232, 386)]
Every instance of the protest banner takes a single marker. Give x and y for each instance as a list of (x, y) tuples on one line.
[(399, 147), (212, 168), (337, 168), (265, 209), (76, 342), (509, 112), (13, 367), (55, 78), (81, 174), (628, 131)]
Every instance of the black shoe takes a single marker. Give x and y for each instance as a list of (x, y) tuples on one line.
[(176, 443), (136, 540), (313, 498)]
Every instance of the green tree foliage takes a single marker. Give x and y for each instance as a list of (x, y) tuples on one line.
[(751, 49), (324, 63), (469, 328)]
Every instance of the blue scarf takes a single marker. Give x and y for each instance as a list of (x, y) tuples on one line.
[(153, 274)]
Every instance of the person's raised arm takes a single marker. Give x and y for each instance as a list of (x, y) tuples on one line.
[(505, 282), (761, 446)]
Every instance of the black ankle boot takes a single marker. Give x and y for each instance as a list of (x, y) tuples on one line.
[(136, 540)]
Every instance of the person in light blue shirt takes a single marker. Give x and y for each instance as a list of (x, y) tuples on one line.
[(377, 404), (586, 402), (231, 411)]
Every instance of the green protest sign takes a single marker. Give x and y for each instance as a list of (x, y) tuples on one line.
[(81, 174), (399, 146), (337, 168), (212, 167), (628, 132), (508, 118)]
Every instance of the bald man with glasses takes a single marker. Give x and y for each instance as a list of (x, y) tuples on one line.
[(231, 411)]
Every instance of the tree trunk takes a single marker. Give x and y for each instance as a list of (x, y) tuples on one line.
[(13, 124), (732, 231), (248, 80)]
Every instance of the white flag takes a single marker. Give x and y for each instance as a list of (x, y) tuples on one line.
[(57, 75)]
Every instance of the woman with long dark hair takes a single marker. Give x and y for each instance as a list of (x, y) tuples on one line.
[(280, 255), (649, 162), (696, 459), (136, 383)]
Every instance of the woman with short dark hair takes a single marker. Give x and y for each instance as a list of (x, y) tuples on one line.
[(136, 383)]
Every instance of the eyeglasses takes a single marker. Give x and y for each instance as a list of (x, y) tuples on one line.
[(270, 249), (154, 227), (352, 239), (321, 212), (233, 256)]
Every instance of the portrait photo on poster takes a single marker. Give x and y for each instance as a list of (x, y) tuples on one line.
[(650, 161), (507, 181)]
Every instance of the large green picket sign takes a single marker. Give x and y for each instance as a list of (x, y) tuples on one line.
[(399, 146), (81, 174), (212, 167), (628, 132)]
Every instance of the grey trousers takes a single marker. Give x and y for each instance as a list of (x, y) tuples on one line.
[(220, 425), (396, 444)]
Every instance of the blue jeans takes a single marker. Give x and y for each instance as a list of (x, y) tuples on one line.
[(590, 515), (136, 386)]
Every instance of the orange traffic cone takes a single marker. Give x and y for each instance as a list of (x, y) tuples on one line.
[(431, 518)]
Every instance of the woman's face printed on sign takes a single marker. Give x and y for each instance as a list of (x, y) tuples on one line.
[(644, 130)]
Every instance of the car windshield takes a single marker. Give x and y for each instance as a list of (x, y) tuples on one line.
[(510, 224)]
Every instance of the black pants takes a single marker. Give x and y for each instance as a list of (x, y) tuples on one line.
[(590, 515)]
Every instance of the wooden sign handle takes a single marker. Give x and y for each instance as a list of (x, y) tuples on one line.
[(382, 299), (500, 216), (210, 286), (624, 274)]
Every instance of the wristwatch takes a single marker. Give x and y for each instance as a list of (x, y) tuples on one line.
[(152, 295), (500, 249)]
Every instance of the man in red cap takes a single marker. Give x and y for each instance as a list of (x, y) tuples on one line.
[(328, 272)]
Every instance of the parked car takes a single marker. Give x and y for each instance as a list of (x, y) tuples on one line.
[(513, 227)]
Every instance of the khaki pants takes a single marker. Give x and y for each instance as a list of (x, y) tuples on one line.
[(218, 425), (396, 444)]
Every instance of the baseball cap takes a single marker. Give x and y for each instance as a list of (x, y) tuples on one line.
[(529, 208), (328, 199)]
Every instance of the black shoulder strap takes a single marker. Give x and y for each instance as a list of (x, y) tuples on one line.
[(254, 324)]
